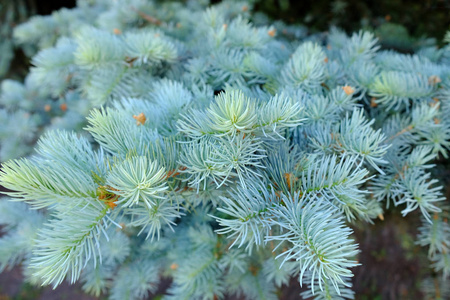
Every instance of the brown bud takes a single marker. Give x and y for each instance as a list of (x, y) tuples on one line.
[(373, 102), (289, 179), (348, 90), (47, 108), (140, 119), (434, 79), (111, 204), (117, 31), (271, 32), (253, 269), (63, 107)]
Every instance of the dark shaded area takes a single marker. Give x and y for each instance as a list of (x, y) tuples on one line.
[(16, 13), (19, 66), (12, 287), (392, 265), (421, 17), (48, 6)]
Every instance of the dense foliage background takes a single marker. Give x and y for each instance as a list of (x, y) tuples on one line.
[(391, 263), (397, 23)]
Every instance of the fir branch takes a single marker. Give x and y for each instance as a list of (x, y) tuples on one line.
[(137, 179), (320, 241), (68, 243)]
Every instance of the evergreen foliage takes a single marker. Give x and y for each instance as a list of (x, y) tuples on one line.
[(229, 155)]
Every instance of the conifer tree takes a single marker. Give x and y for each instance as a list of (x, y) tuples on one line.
[(218, 149)]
